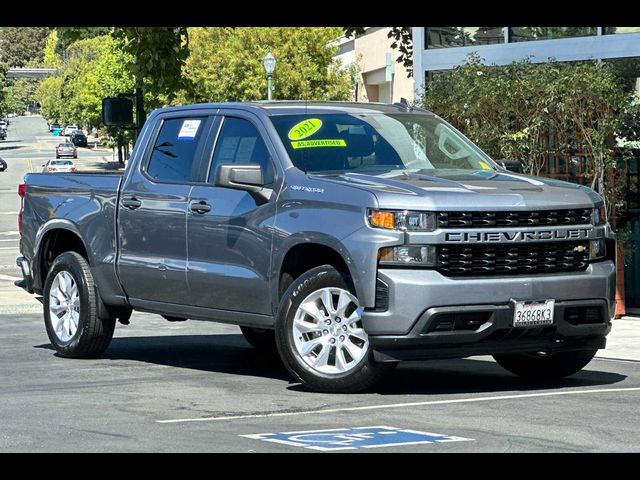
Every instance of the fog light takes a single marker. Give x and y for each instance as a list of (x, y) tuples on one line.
[(597, 249), (419, 255)]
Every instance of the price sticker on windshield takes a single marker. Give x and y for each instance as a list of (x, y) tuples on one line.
[(305, 129)]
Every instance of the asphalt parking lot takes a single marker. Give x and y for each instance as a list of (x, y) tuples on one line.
[(198, 386)]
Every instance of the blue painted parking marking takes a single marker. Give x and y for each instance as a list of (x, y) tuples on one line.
[(354, 438)]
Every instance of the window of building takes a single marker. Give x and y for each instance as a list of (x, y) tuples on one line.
[(526, 34), (443, 37), (240, 142), (611, 30), (172, 158)]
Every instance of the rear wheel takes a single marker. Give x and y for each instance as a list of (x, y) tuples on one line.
[(261, 339), (546, 365), (320, 335), (71, 309)]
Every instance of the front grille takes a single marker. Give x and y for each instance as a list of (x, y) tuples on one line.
[(512, 259), (513, 219)]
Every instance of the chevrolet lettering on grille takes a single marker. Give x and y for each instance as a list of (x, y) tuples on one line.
[(517, 236)]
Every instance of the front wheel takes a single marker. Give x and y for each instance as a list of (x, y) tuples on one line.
[(71, 309), (320, 335), (546, 365)]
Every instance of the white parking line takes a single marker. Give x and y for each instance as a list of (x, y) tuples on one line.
[(9, 213), (9, 278), (402, 405), (9, 239), (9, 248), (13, 232)]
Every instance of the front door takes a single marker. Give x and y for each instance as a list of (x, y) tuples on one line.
[(152, 215), (229, 231)]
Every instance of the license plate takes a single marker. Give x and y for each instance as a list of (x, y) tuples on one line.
[(533, 314)]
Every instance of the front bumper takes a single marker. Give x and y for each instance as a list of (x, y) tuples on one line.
[(417, 299)]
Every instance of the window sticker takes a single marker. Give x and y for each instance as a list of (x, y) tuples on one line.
[(305, 128), (189, 129), (338, 142), (485, 166)]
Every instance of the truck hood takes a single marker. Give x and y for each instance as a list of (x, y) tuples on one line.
[(469, 190)]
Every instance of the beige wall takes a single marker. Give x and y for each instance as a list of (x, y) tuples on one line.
[(369, 52)]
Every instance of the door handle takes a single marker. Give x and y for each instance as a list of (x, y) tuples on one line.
[(131, 203), (200, 207)]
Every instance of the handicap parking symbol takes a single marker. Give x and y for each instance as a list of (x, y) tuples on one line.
[(354, 438)]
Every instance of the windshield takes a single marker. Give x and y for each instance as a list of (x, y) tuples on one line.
[(61, 162), (328, 143)]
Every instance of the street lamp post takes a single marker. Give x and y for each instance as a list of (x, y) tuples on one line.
[(269, 62)]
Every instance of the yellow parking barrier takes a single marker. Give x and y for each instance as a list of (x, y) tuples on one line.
[(30, 165)]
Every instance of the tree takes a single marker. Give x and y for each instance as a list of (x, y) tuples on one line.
[(95, 68), (225, 64), (23, 46), (512, 111), (401, 39)]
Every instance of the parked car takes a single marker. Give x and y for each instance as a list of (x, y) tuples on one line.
[(78, 138), (3, 134), (54, 126), (69, 129), (3, 165), (59, 166), (66, 149), (3, 125), (352, 236)]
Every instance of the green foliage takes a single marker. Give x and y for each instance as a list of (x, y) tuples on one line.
[(155, 56), (67, 35), (225, 64), (94, 68), (51, 56), (23, 46), (510, 111), (19, 95)]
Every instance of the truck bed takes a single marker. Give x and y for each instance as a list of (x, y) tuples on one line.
[(83, 203)]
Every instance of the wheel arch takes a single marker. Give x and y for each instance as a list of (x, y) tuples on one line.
[(304, 254), (54, 238)]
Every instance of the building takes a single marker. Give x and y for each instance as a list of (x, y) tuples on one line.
[(376, 74), (438, 49)]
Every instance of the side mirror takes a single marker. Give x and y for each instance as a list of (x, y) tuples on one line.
[(511, 165), (241, 176), (244, 176)]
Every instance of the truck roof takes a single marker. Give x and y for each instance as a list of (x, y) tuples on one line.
[(292, 107)]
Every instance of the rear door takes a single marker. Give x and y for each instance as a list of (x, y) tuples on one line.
[(153, 210), (229, 238)]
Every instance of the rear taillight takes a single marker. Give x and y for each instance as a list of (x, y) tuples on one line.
[(22, 190), (72, 169), (52, 169)]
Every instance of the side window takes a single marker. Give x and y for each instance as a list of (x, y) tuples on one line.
[(240, 142), (174, 150)]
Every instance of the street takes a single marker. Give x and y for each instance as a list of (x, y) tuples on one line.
[(198, 386)]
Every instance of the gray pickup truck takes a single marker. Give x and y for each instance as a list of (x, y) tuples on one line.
[(348, 236)]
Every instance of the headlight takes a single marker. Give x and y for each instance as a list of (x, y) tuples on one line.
[(599, 216), (597, 249), (421, 255), (402, 220)]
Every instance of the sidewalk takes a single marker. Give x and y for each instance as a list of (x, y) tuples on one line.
[(623, 343)]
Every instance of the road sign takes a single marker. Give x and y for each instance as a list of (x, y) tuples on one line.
[(354, 438)]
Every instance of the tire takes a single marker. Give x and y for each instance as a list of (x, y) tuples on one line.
[(93, 334), (541, 365), (354, 374), (261, 339)]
